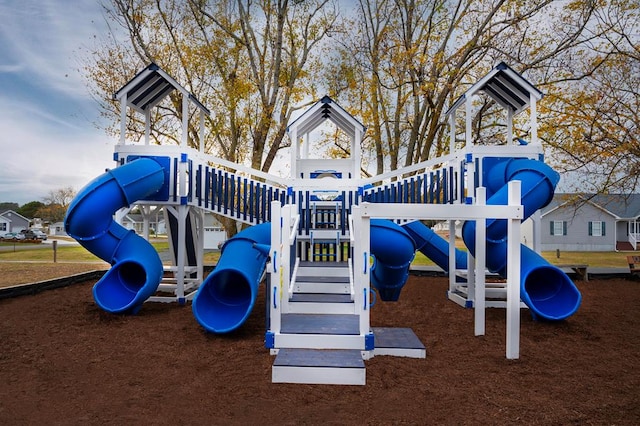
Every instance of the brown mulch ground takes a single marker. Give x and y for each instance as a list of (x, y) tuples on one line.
[(64, 361)]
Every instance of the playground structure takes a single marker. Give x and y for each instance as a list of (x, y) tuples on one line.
[(328, 240)]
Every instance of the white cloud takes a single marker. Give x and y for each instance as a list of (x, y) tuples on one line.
[(42, 39), (47, 139)]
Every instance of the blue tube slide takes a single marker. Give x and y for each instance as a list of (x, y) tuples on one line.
[(227, 296), (136, 267), (434, 246), (545, 289), (393, 250)]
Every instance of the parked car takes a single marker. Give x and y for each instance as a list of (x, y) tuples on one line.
[(12, 236), (34, 234)]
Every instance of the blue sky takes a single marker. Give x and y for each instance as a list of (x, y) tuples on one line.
[(48, 139)]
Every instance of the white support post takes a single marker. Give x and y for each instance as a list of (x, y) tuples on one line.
[(147, 126), (183, 211), (201, 131), (534, 121), (452, 255), (185, 120), (305, 146), (509, 126), (284, 263), (294, 152), (182, 179), (275, 287), (536, 220), (146, 212), (452, 132), (468, 133), (355, 153), (513, 276), (361, 278), (480, 262), (123, 119)]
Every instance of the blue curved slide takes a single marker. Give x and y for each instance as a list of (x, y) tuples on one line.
[(434, 246), (393, 250), (136, 267), (227, 296), (545, 289)]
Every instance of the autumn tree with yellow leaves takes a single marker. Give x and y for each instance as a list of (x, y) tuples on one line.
[(395, 64)]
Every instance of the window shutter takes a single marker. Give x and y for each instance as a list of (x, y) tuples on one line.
[(590, 228), (603, 228), (564, 227), (551, 227)]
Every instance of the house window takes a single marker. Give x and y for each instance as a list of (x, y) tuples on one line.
[(3, 226), (558, 227), (597, 228)]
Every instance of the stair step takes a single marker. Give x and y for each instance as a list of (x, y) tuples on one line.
[(306, 263), (336, 324), (397, 342), (320, 279), (319, 366), (321, 298), (321, 303)]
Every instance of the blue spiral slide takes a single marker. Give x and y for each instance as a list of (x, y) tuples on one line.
[(227, 296), (545, 289), (136, 268)]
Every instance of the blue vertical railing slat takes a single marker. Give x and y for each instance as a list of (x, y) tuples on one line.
[(238, 196), (343, 212), (225, 192), (245, 186), (191, 183), (207, 187), (214, 189), (445, 187), (307, 213), (258, 212), (199, 185), (461, 196), (252, 213), (263, 199), (452, 185), (232, 194), (175, 179)]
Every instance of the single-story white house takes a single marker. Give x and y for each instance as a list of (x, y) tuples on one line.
[(11, 221)]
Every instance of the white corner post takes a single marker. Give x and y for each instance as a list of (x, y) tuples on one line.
[(509, 126), (468, 130), (185, 119), (534, 120), (201, 131), (276, 284), (147, 126), (513, 275), (452, 132), (481, 255), (452, 256), (361, 254), (123, 119), (293, 138)]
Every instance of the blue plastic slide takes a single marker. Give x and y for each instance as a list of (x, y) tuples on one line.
[(545, 289), (393, 250), (136, 267), (227, 296), (434, 246)]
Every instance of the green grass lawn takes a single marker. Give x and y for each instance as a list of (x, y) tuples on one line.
[(44, 253)]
